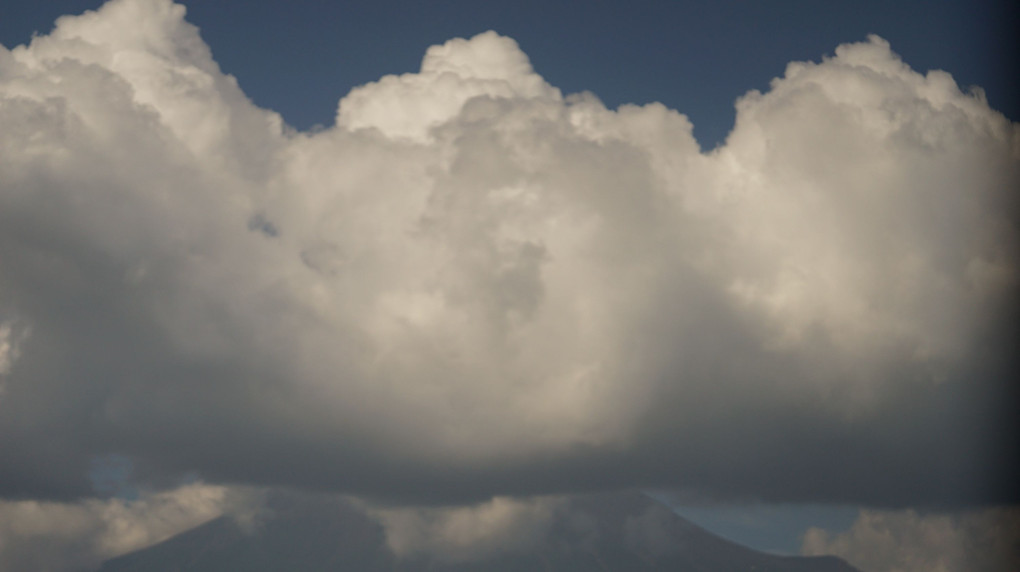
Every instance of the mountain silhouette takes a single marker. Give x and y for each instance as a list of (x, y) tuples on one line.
[(625, 532)]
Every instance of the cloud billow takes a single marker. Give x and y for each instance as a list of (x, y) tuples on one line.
[(474, 285)]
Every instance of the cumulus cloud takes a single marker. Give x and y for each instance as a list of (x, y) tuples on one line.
[(474, 285), (904, 541), (51, 536), (410, 105)]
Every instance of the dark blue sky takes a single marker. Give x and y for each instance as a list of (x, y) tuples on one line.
[(300, 56)]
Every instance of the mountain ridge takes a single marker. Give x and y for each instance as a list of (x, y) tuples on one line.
[(600, 532)]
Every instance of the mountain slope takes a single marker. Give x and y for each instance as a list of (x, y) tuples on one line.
[(625, 532)]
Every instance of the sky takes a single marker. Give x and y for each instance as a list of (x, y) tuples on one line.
[(696, 57), (761, 260)]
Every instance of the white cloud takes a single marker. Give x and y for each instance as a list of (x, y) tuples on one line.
[(483, 287), (54, 537), (9, 341), (903, 541), (451, 74), (456, 534)]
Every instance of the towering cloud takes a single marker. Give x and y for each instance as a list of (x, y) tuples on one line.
[(473, 285)]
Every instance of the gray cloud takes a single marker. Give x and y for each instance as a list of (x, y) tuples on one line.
[(457, 534), (50, 536), (473, 285), (904, 541)]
